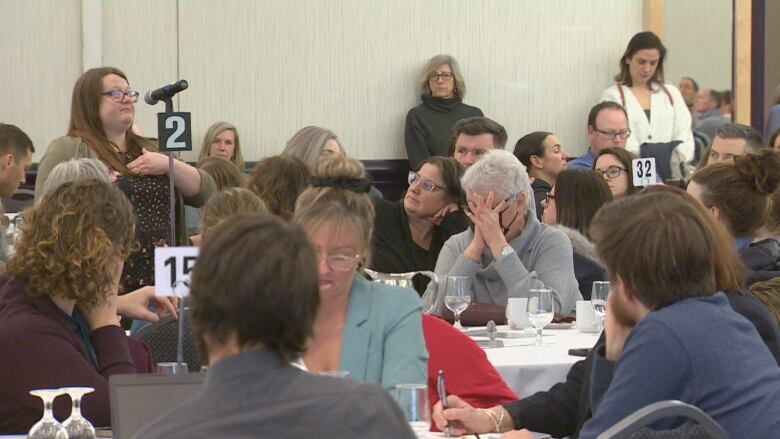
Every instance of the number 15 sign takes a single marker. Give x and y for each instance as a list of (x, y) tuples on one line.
[(172, 270)]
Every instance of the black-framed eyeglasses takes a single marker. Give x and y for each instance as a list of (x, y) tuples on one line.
[(445, 76), (118, 95), (548, 197), (425, 184), (623, 134), (611, 171)]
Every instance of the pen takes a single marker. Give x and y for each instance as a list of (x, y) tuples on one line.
[(442, 389)]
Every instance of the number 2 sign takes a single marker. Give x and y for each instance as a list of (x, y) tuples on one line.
[(175, 132), (172, 270)]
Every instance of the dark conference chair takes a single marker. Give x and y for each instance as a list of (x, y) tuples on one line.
[(162, 337)]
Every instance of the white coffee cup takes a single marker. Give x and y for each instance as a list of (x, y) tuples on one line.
[(586, 317), (517, 313)]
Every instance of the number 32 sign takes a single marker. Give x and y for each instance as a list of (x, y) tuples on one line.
[(175, 132), (172, 270)]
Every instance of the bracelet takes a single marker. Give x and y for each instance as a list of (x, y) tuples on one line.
[(494, 418)]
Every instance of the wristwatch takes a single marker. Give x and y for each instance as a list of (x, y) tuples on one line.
[(506, 251)]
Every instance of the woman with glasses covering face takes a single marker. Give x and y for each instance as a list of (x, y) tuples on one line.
[(508, 252), (408, 235), (371, 330), (657, 112), (429, 125), (102, 113), (614, 164)]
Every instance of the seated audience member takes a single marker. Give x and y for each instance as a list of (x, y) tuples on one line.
[(664, 355), (509, 251), (369, 329), (408, 235), (58, 304), (688, 88), (429, 125), (614, 164), (731, 140), (774, 140), (607, 128), (738, 193), (725, 104), (278, 181), (226, 204), (572, 203), (16, 151), (768, 292), (252, 324), (75, 169), (708, 102), (225, 174), (222, 140), (473, 137), (544, 158), (469, 373)]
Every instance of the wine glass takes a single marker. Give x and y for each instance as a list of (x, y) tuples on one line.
[(48, 427), (598, 299), (540, 310), (413, 400), (457, 296), (77, 426)]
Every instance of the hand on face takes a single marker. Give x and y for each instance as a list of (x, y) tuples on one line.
[(444, 211), (486, 219), (149, 163)]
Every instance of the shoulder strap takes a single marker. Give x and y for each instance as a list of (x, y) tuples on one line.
[(668, 95), (622, 96)]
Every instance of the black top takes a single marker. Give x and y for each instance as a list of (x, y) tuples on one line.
[(541, 188), (562, 410), (762, 259), (429, 126), (393, 249)]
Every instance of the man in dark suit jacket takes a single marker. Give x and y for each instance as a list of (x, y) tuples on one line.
[(255, 294)]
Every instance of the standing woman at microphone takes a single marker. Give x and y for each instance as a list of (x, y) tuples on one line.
[(101, 117)]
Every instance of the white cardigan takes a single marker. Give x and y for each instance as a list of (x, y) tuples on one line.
[(667, 122)]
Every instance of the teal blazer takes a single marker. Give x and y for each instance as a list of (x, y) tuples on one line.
[(383, 339)]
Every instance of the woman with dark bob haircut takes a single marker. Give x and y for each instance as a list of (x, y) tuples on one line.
[(409, 235), (657, 112), (58, 304), (571, 204)]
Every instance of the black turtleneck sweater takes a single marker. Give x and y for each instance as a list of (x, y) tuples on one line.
[(429, 126)]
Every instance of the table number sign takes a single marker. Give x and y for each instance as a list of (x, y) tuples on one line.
[(643, 171), (172, 270)]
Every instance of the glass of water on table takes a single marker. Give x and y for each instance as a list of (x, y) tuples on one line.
[(541, 309), (598, 299), (457, 296)]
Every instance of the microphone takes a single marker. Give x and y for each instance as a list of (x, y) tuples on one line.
[(164, 93)]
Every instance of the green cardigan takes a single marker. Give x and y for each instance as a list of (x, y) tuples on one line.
[(66, 148)]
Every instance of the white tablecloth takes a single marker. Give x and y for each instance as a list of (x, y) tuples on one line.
[(530, 369)]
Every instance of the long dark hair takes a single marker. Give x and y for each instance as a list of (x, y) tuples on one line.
[(530, 145), (579, 193), (642, 41)]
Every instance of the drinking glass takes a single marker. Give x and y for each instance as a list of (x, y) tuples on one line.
[(48, 427), (413, 400), (540, 310), (76, 425), (457, 296), (598, 298)]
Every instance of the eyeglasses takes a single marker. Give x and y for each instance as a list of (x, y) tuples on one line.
[(425, 184), (118, 95), (614, 134), (549, 197), (340, 262), (611, 172), (446, 76)]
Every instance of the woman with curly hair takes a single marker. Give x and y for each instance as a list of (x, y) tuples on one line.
[(278, 181), (58, 304)]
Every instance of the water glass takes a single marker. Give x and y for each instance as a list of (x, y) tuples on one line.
[(76, 425), (172, 368), (457, 296), (48, 427), (541, 309), (413, 400), (598, 299)]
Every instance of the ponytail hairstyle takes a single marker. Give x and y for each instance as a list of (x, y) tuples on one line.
[(741, 190)]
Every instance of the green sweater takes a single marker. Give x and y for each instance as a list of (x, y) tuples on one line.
[(66, 148)]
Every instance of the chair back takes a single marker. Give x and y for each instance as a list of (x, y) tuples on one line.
[(162, 338), (634, 425)]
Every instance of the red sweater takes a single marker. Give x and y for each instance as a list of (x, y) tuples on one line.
[(468, 372), (39, 351)]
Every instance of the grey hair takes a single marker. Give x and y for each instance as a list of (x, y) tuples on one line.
[(72, 170), (430, 67), (501, 172), (307, 144), (747, 133)]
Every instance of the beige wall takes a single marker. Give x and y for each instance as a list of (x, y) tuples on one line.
[(697, 34), (274, 66), (771, 51)]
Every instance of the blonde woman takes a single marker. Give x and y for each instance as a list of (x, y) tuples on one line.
[(372, 331), (222, 140), (429, 125)]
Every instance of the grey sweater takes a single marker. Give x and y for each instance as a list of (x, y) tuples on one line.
[(542, 259)]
